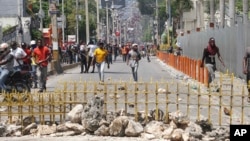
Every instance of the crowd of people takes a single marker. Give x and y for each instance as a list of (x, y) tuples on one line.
[(99, 55), (35, 56), (25, 57)]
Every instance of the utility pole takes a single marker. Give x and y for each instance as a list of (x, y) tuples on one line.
[(87, 20), (63, 22), (20, 32), (41, 17), (77, 26), (97, 20), (157, 22), (107, 21), (113, 22), (53, 13)]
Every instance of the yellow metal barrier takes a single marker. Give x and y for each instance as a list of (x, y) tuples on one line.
[(168, 96)]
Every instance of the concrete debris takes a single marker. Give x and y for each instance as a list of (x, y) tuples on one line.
[(94, 122)]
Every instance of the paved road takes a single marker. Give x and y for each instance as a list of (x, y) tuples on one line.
[(159, 72)]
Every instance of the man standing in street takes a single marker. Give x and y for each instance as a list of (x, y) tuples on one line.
[(246, 70), (83, 56), (91, 48), (42, 55), (19, 55), (133, 61), (99, 57)]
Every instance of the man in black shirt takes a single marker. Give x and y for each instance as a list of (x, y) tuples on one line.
[(209, 57)]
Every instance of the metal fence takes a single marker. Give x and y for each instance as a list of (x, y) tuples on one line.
[(231, 41), (192, 99)]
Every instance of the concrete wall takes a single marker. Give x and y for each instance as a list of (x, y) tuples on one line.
[(13, 21)]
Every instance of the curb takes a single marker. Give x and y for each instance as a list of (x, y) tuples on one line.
[(63, 68)]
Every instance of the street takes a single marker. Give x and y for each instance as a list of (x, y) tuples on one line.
[(177, 98)]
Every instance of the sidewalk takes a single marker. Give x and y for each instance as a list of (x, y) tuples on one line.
[(63, 66), (226, 80)]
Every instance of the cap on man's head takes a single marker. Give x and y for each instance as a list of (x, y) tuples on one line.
[(4, 46), (133, 45), (33, 42), (211, 39)]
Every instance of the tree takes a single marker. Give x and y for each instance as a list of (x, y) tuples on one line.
[(178, 8), (146, 6)]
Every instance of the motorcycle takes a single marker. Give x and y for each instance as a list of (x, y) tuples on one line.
[(19, 81)]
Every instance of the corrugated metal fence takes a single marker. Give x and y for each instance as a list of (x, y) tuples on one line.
[(231, 41)]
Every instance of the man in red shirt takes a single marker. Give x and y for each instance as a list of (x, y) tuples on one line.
[(42, 55), (27, 59)]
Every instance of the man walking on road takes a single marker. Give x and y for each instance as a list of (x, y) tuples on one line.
[(246, 69), (133, 60), (99, 57), (42, 55), (209, 57)]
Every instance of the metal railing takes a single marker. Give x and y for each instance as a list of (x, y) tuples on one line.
[(193, 99)]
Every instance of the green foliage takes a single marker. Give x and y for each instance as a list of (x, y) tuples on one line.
[(70, 13), (36, 34), (180, 6), (6, 29), (146, 6)]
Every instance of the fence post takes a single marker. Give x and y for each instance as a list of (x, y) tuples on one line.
[(198, 64), (201, 75), (206, 77)]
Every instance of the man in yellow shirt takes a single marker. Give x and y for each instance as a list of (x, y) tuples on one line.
[(100, 55)]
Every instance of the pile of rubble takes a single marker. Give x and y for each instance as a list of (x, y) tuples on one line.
[(89, 119)]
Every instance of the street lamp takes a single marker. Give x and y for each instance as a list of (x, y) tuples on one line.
[(107, 21), (87, 20), (97, 19)]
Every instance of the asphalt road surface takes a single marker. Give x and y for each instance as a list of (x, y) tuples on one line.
[(156, 71)]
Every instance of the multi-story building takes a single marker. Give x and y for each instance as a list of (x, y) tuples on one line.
[(14, 17)]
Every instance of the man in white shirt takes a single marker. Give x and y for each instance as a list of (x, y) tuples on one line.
[(91, 48), (83, 56), (19, 54)]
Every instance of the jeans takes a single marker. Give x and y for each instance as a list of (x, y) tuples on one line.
[(3, 76), (84, 64), (34, 74), (134, 68), (109, 59), (89, 63), (100, 68), (43, 77)]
